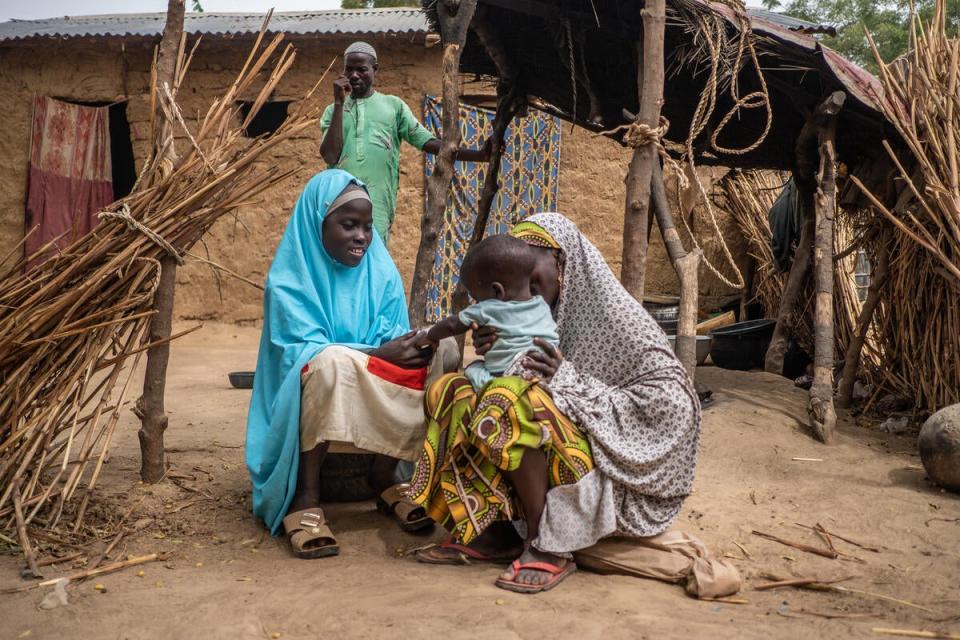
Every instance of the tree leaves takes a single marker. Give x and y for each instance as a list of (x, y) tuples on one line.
[(887, 21)]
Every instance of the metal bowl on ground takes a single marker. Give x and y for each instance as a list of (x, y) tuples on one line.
[(663, 308), (742, 346), (703, 347), (241, 379)]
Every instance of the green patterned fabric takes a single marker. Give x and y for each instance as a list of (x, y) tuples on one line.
[(473, 438)]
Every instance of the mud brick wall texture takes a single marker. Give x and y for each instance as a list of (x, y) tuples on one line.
[(109, 70)]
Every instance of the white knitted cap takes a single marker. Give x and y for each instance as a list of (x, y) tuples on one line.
[(361, 47)]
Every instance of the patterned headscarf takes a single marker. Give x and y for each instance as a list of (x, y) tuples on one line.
[(593, 302), (621, 382), (534, 235)]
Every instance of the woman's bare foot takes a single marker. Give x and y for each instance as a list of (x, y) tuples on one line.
[(534, 577)]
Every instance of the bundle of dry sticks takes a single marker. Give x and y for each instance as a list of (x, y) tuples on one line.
[(917, 320), (73, 329)]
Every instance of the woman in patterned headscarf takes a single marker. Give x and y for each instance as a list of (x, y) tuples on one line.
[(610, 450)]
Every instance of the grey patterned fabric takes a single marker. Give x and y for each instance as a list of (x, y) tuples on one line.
[(622, 384)]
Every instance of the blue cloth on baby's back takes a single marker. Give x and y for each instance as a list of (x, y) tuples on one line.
[(517, 323)]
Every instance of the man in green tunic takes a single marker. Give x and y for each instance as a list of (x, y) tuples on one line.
[(362, 131)]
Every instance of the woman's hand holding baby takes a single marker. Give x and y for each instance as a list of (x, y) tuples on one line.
[(483, 338), (545, 360)]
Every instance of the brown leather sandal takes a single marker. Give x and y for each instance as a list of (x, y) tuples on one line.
[(395, 502), (310, 537)]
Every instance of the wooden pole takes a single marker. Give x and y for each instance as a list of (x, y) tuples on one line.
[(792, 289), (750, 275), (650, 78), (687, 266), (507, 107), (455, 17), (807, 160), (823, 417), (25, 545), (151, 406), (509, 104), (851, 363)]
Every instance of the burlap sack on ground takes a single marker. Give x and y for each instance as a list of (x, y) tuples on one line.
[(674, 557)]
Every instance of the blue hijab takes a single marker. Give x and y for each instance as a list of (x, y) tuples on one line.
[(310, 302)]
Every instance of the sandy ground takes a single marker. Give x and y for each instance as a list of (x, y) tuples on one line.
[(225, 578)]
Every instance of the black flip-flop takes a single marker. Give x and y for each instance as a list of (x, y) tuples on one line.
[(463, 555)]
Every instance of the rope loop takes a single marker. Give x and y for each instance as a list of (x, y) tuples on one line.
[(640, 134), (133, 224)]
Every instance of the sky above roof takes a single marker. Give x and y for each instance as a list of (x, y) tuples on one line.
[(57, 8), (37, 9)]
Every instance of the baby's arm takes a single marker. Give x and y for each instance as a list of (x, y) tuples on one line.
[(446, 328)]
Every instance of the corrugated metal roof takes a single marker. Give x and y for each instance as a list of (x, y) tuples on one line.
[(344, 22), (789, 22)]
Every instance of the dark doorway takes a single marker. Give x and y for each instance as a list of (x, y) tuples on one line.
[(268, 119), (122, 160), (121, 151)]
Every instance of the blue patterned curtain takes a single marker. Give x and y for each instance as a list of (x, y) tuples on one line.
[(529, 177)]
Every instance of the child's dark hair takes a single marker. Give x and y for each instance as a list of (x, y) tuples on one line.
[(501, 258)]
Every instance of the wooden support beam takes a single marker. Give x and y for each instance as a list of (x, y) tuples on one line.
[(455, 17), (507, 108), (749, 275), (650, 78), (153, 418), (851, 363), (510, 102), (806, 160), (823, 417), (792, 289), (687, 266)]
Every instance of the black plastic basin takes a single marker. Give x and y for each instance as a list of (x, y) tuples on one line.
[(241, 379), (742, 346)]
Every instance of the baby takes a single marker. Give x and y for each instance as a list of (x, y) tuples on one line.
[(496, 273)]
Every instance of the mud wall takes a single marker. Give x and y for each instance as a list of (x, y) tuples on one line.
[(591, 175)]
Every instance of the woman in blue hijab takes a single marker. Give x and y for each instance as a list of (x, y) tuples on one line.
[(335, 322)]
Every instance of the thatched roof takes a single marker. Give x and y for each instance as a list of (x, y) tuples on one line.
[(798, 69)]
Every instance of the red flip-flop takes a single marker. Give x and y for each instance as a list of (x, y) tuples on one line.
[(558, 575), (464, 555)]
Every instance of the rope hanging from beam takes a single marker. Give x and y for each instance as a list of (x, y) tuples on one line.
[(714, 36)]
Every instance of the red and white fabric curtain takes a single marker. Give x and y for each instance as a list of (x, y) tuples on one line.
[(70, 176)]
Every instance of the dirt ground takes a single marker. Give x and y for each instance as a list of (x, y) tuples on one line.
[(224, 577)]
